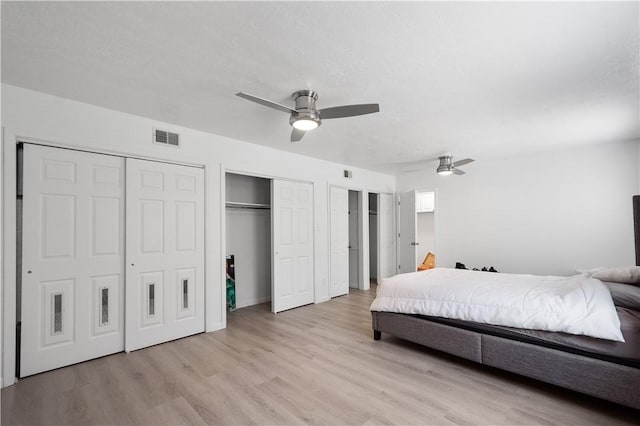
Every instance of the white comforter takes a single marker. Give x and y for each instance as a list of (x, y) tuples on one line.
[(577, 305)]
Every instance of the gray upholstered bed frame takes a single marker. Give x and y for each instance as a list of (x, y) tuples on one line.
[(603, 379)]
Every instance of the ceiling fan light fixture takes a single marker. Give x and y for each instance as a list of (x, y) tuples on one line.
[(305, 120), (304, 124), (444, 170)]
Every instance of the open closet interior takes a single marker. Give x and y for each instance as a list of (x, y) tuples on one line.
[(354, 237), (373, 237), (248, 237)]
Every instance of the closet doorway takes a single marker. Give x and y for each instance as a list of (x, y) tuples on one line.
[(354, 239), (385, 235), (248, 239), (347, 216), (269, 233), (374, 244), (417, 228), (345, 240)]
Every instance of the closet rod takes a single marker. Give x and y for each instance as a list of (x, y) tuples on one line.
[(238, 205)]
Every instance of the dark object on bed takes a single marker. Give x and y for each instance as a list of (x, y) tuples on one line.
[(636, 226), (590, 368), (484, 268)]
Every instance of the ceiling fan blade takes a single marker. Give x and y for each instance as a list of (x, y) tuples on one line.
[(458, 172), (266, 102), (297, 134), (463, 162), (349, 110)]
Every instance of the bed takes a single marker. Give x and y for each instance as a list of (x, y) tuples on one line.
[(604, 368)]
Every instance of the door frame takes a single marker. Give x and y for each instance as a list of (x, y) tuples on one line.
[(435, 220), (363, 237), (223, 231), (435, 215), (10, 142)]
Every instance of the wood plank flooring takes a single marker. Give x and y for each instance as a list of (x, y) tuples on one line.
[(313, 365)]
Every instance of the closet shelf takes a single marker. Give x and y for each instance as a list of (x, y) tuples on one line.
[(239, 205)]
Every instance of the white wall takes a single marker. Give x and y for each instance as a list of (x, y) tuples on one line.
[(35, 115), (545, 213)]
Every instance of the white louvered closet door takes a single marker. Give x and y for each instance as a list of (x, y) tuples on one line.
[(72, 257), (165, 252)]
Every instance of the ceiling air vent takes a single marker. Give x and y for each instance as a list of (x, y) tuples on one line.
[(166, 138)]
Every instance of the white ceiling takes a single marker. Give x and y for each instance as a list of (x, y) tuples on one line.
[(486, 80)]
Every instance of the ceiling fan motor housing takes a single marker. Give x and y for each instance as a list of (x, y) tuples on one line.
[(305, 107), (446, 164)]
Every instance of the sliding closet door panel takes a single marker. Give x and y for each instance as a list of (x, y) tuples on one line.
[(165, 252), (292, 221), (339, 231), (72, 257)]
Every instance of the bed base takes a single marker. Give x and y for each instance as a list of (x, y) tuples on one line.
[(602, 379)]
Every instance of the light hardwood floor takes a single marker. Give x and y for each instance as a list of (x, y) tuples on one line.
[(313, 365)]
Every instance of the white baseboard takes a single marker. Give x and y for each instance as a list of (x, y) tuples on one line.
[(252, 302), (215, 327)]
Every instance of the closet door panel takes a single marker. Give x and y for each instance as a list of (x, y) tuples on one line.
[(165, 252), (292, 222), (72, 257), (408, 234), (387, 265), (339, 231)]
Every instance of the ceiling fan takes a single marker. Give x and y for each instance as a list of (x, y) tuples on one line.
[(305, 116), (447, 166)]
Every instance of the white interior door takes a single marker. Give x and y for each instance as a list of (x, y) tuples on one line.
[(408, 234), (339, 242), (72, 257), (165, 252), (386, 237), (292, 237)]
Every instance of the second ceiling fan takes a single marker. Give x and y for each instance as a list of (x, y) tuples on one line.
[(448, 166), (305, 116)]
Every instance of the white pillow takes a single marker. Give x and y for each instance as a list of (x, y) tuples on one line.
[(620, 274)]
